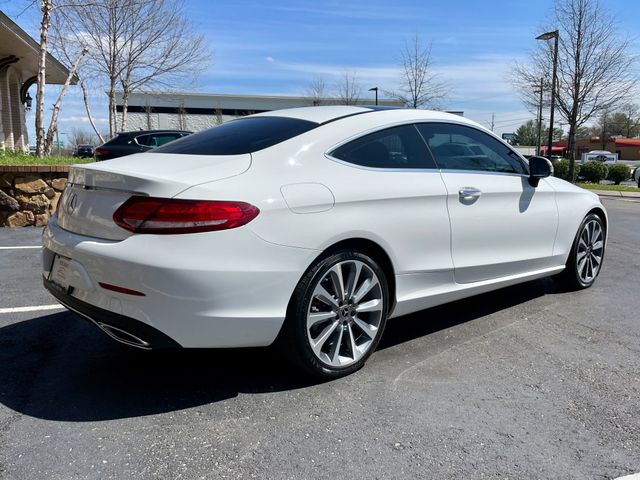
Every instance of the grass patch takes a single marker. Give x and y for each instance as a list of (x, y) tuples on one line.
[(613, 188), (19, 158)]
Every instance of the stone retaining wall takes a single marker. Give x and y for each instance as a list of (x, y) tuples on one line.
[(30, 194)]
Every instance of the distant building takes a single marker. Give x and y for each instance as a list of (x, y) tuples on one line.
[(18, 69), (626, 148), (197, 111)]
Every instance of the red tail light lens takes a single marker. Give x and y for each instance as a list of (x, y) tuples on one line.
[(101, 151), (171, 216)]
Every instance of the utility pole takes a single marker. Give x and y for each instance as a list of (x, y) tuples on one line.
[(540, 118), (493, 118)]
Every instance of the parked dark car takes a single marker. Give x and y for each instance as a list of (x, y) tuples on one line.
[(126, 143), (83, 151)]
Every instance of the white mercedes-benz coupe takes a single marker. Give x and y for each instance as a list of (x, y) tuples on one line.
[(311, 227)]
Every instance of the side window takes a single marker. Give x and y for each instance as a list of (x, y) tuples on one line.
[(142, 140), (396, 147), (458, 147), (157, 140)]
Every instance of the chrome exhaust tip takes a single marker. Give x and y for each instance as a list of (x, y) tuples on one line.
[(123, 336)]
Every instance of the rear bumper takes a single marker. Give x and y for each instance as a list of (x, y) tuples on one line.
[(124, 329), (205, 290)]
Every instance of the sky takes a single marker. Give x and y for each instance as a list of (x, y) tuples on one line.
[(277, 47)]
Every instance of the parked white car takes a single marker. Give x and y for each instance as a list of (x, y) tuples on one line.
[(312, 227)]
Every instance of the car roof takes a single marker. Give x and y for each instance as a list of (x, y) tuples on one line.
[(329, 113), (320, 114), (144, 132)]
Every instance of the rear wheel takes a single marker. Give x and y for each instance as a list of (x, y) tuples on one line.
[(337, 315), (585, 260)]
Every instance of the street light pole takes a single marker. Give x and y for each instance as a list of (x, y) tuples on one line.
[(375, 89), (556, 36), (538, 149)]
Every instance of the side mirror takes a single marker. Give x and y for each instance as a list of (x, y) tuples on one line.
[(539, 167)]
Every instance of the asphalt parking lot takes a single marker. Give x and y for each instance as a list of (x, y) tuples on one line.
[(527, 382)]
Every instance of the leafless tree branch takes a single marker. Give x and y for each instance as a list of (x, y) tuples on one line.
[(348, 89), (420, 86), (595, 68)]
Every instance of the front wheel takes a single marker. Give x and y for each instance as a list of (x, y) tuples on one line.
[(337, 315), (585, 260)]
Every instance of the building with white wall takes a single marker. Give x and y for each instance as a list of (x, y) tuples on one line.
[(18, 72), (197, 111)]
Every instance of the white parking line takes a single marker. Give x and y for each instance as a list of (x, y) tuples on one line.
[(20, 247), (36, 308), (633, 476)]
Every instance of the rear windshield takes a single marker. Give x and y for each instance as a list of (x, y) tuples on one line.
[(244, 135)]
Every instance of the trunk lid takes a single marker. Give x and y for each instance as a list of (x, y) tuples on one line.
[(95, 191)]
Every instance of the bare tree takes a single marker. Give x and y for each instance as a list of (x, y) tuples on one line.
[(53, 124), (420, 85), (85, 98), (81, 137), (66, 47), (595, 69), (134, 44), (317, 91), (148, 110), (630, 120), (218, 113), (46, 8), (348, 89), (101, 27), (161, 49), (182, 117)]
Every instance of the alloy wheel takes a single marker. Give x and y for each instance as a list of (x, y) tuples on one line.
[(590, 251), (345, 312)]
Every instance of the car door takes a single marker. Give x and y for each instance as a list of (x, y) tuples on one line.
[(397, 186), (500, 224)]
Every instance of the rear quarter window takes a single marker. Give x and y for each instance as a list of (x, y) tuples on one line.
[(244, 135)]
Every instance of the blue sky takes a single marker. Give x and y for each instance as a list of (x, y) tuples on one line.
[(277, 47)]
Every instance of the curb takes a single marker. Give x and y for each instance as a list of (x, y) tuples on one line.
[(613, 193)]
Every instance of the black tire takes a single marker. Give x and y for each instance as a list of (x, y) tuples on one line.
[(569, 278), (294, 340)]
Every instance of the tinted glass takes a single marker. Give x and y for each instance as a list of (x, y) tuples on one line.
[(457, 147), (396, 147), (244, 135), (157, 140), (142, 140)]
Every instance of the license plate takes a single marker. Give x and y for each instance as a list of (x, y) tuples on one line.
[(61, 272)]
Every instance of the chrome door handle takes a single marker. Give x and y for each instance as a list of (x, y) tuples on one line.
[(469, 193)]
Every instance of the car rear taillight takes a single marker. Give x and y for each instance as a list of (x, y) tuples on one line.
[(102, 151), (171, 216)]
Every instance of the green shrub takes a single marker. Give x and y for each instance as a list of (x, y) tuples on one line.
[(618, 172), (594, 172), (561, 170)]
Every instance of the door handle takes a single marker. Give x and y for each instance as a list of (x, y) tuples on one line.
[(469, 193)]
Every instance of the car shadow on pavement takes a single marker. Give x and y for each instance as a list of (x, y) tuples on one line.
[(59, 367), (438, 318)]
